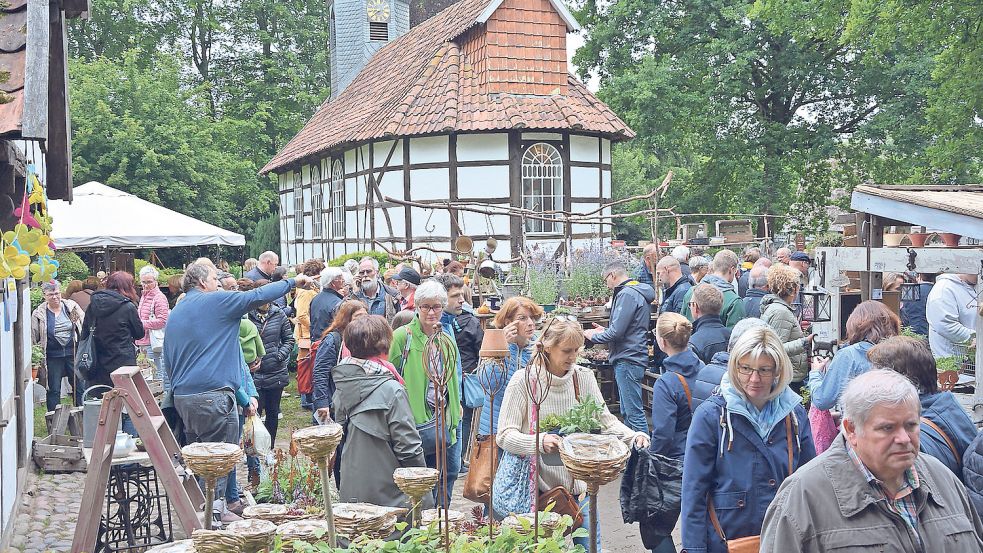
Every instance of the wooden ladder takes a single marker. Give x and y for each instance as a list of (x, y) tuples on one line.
[(162, 448)]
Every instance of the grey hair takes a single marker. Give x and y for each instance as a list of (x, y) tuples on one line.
[(222, 275), (698, 262), (195, 276), (431, 290), (873, 388), (268, 256), (329, 274), (347, 276), (681, 253), (743, 326), (351, 266), (50, 286), (759, 279), (149, 270), (616, 268), (375, 262), (449, 280)]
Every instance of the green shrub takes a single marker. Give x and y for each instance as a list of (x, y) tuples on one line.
[(381, 257), (137, 265), (71, 267), (544, 285), (266, 235), (37, 297)]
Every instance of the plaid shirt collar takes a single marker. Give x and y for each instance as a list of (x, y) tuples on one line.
[(901, 503)]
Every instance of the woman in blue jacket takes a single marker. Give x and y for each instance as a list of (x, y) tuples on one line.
[(869, 323), (672, 409), (946, 429), (742, 444)]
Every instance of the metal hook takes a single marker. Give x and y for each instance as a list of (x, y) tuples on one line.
[(428, 226)]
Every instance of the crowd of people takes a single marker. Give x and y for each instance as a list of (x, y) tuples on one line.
[(735, 361)]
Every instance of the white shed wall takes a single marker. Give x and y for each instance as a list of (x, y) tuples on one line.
[(483, 182), (583, 148), (430, 149), (483, 147)]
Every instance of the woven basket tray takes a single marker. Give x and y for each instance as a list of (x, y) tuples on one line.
[(318, 442), (456, 518), (374, 521), (256, 534), (216, 541), (415, 481), (594, 458), (302, 530), (211, 459)]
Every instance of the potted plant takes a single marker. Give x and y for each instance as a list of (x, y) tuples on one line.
[(37, 359), (581, 418)]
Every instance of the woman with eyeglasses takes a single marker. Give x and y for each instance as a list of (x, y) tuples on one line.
[(55, 326), (742, 444), (407, 354)]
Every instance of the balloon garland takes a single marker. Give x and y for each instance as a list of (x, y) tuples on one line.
[(30, 237)]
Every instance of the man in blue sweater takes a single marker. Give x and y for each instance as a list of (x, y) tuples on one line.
[(203, 355), (627, 339)]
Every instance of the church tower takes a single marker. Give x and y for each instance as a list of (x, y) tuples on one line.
[(358, 29)]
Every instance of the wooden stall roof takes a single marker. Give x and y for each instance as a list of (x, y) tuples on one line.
[(956, 209)]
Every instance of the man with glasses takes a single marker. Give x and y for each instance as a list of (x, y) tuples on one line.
[(627, 340), (378, 298)]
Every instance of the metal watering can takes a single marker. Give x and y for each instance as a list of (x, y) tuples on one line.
[(90, 416)]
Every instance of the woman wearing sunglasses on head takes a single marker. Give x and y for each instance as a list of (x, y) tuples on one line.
[(742, 443)]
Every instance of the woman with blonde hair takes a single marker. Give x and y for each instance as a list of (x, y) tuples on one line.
[(672, 411), (742, 443), (554, 366)]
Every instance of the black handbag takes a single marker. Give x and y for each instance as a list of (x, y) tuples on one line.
[(652, 491), (85, 355)]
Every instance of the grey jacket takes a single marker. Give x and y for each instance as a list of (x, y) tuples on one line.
[(380, 436), (827, 505), (781, 318)]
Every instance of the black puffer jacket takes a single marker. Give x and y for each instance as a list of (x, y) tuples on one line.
[(117, 325), (278, 338)]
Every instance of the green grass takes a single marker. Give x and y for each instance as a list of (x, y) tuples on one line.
[(40, 428), (293, 416)]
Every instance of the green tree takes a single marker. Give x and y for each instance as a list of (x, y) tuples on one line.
[(266, 236)]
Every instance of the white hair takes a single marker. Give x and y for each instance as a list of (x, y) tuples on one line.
[(149, 270), (351, 266), (375, 262), (681, 253), (328, 275), (698, 262), (431, 290), (349, 279), (873, 388), (268, 256)]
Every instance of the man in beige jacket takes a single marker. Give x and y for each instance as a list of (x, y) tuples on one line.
[(872, 490)]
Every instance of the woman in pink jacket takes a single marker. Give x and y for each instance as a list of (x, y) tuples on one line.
[(153, 311)]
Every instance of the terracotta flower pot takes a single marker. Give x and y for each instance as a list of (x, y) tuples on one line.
[(918, 239), (494, 344), (893, 239), (950, 239), (34, 372)]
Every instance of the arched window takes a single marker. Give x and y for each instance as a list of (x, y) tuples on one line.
[(337, 200), (542, 184), (316, 202), (298, 205)]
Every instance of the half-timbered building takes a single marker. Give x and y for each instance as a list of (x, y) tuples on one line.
[(475, 105)]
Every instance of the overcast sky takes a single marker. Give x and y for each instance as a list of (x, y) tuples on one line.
[(574, 41)]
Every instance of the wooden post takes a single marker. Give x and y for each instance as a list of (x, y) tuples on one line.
[(978, 392)]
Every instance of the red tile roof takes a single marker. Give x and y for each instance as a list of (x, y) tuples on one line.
[(13, 52), (422, 83)]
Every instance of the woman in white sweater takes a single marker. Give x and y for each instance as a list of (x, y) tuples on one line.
[(568, 384)]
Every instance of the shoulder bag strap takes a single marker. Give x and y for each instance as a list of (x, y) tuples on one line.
[(788, 440), (689, 396), (406, 348), (713, 519), (948, 442), (576, 386)]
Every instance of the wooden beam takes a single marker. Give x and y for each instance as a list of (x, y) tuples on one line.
[(34, 124), (58, 162), (515, 192), (75, 9)]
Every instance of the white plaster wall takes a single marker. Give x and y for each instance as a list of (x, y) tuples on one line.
[(605, 150), (481, 147), (350, 189), (542, 136), (398, 222), (583, 148), (8, 466), (476, 224), (483, 182), (429, 184), (584, 181), (381, 152), (579, 228), (430, 149), (440, 222), (606, 185), (391, 184)]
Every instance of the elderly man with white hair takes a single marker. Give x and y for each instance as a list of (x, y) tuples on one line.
[(407, 353), (871, 490), (681, 253)]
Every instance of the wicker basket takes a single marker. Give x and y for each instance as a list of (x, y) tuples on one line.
[(374, 521), (216, 541), (211, 459), (272, 512), (594, 458), (182, 546), (256, 534), (318, 442), (302, 530), (455, 518), (416, 481)]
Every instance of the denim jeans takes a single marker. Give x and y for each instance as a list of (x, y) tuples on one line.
[(428, 436), (232, 486), (585, 541), (665, 546), (629, 377), (210, 417), (59, 367)]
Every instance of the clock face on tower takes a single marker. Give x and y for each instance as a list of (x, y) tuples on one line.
[(378, 11)]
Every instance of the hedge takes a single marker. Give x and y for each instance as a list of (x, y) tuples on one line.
[(381, 257), (71, 267)]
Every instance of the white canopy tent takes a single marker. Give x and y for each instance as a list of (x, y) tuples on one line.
[(104, 217)]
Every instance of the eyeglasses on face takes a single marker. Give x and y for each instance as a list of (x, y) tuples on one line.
[(430, 308), (763, 372)]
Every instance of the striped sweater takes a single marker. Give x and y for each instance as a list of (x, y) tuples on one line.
[(513, 423)]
